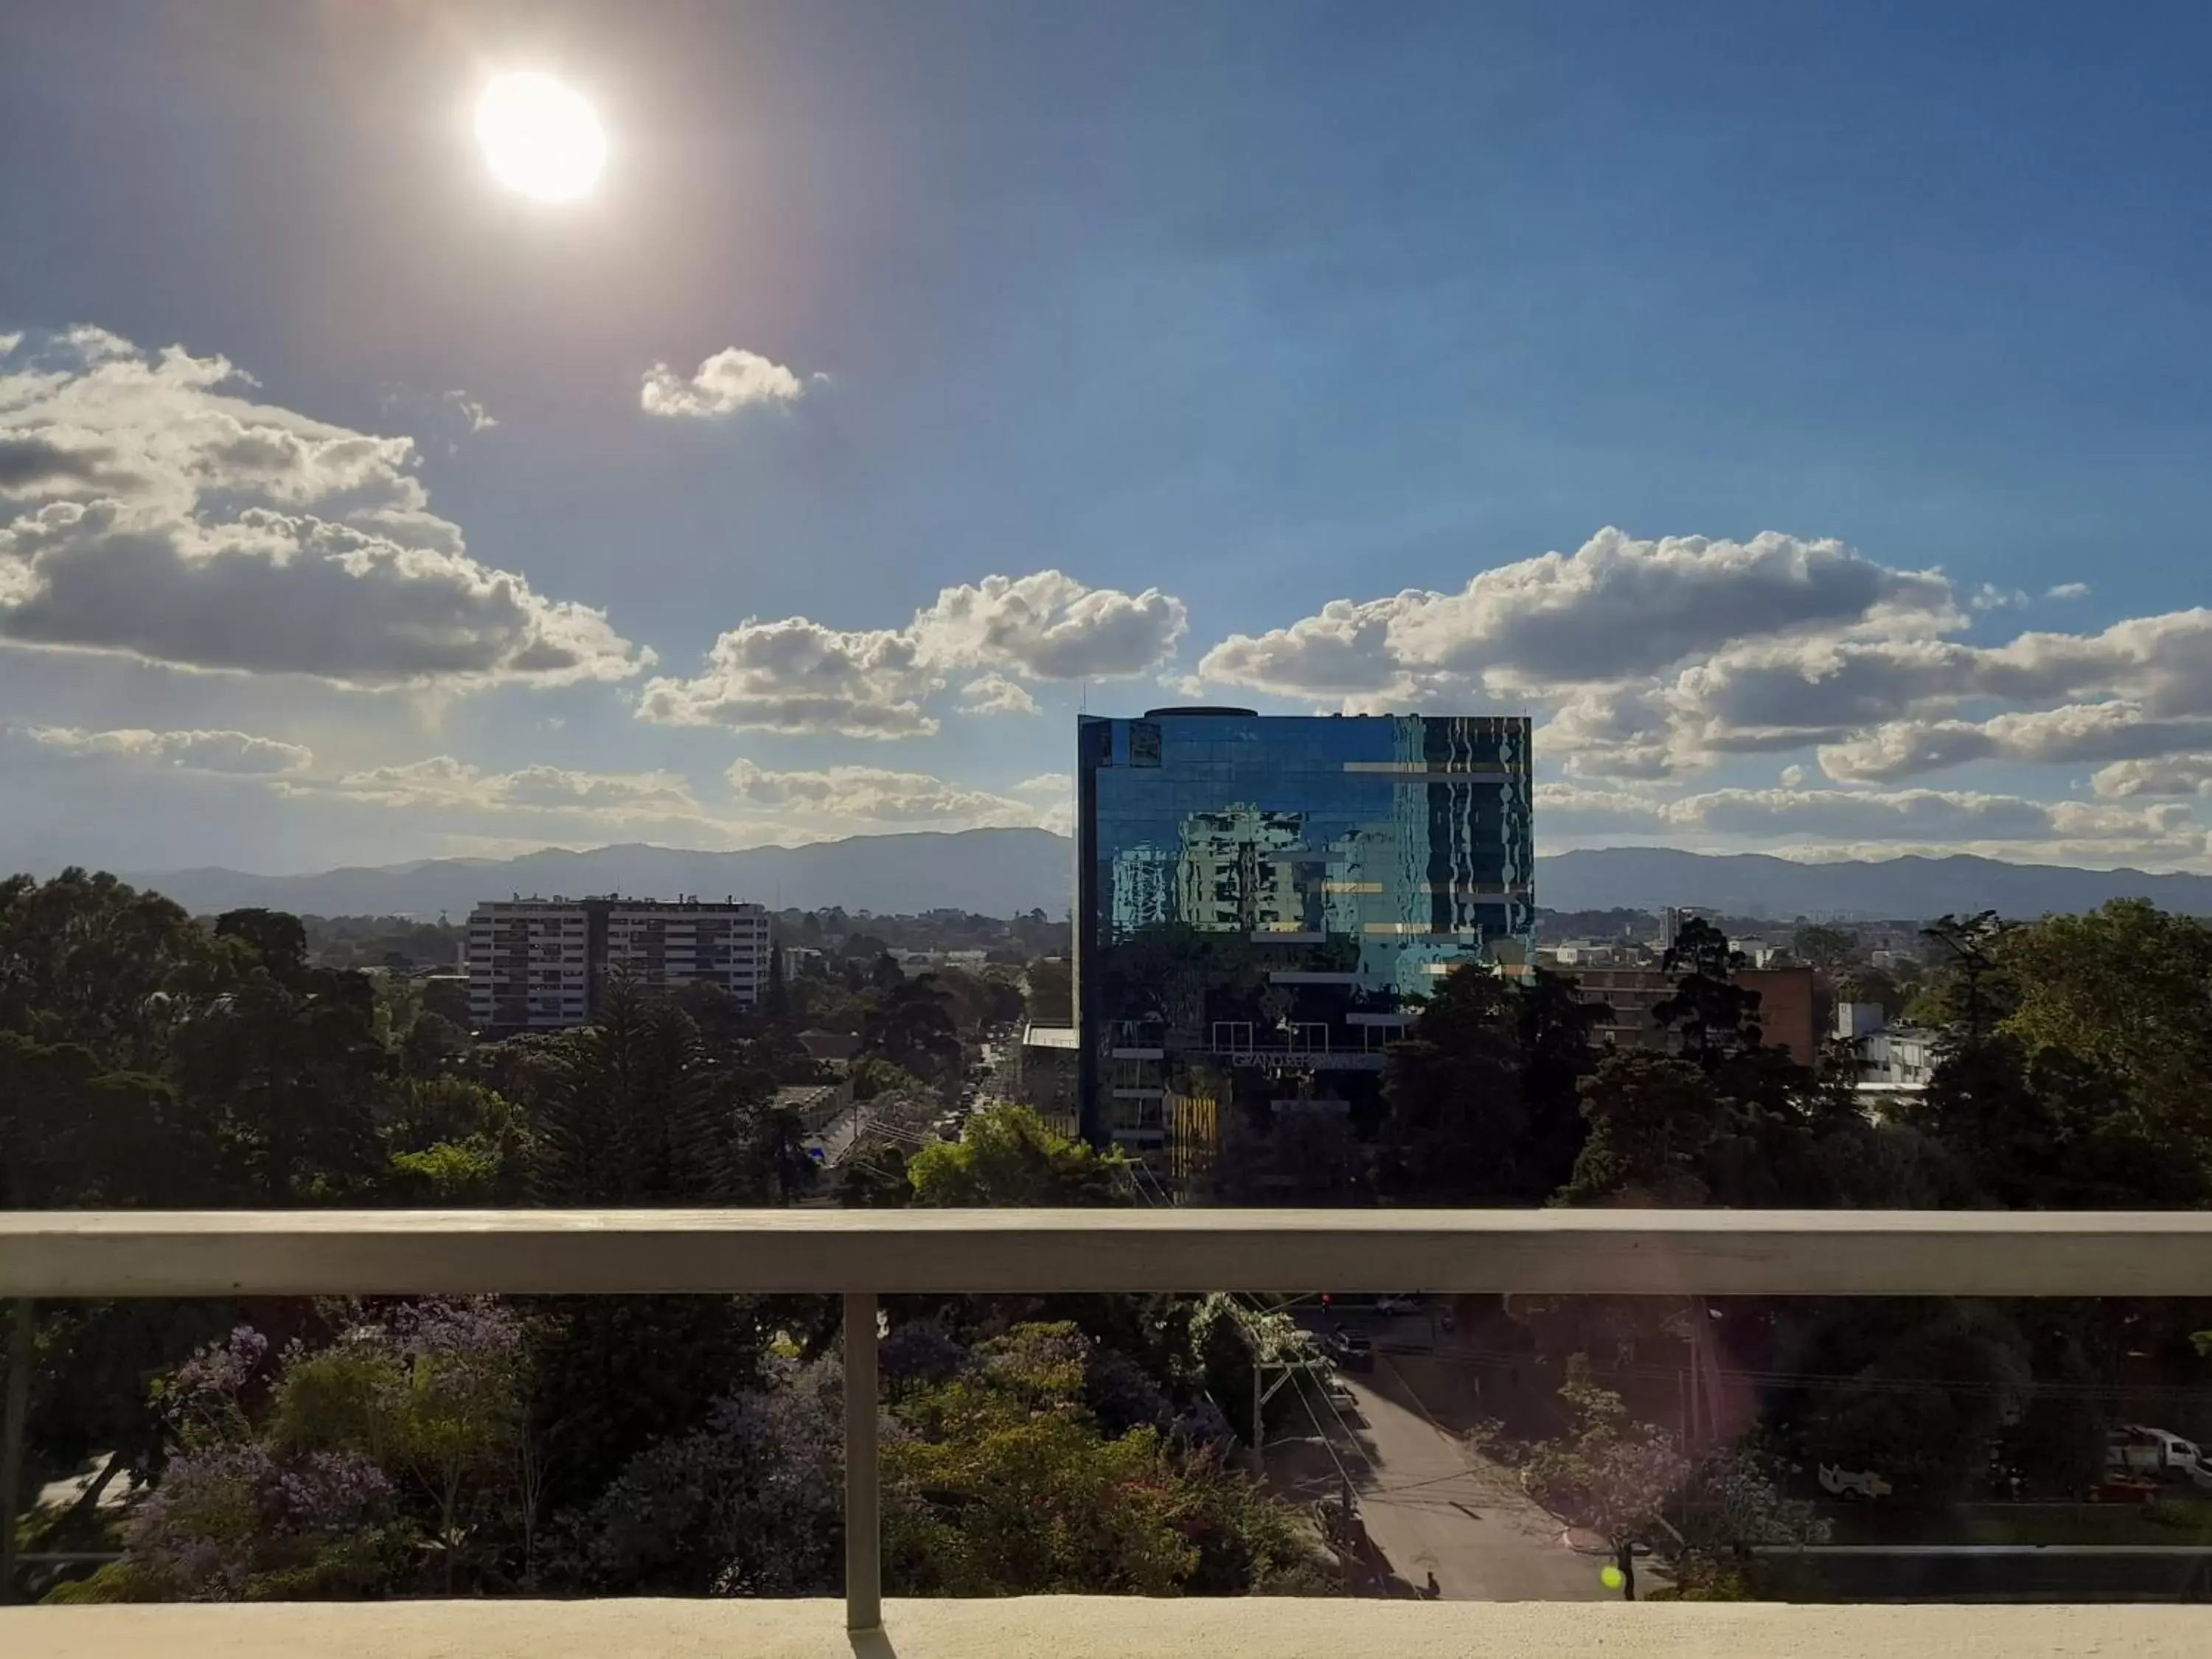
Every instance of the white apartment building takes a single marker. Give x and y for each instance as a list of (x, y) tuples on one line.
[(690, 942), (529, 964), (537, 965)]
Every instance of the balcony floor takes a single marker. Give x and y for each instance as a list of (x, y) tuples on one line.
[(1093, 1627)]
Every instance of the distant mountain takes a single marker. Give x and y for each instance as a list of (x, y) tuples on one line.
[(1902, 889), (990, 871), (1001, 872)]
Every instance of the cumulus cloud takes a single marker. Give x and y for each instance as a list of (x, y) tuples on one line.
[(1048, 626), (170, 518), (995, 694), (2169, 775), (796, 675), (1651, 660), (1615, 608), (729, 380), (2070, 734), (1859, 818), (231, 752), (872, 793)]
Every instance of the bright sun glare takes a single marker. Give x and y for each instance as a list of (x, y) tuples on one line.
[(540, 137)]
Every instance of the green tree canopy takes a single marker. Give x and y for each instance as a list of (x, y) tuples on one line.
[(1007, 1157)]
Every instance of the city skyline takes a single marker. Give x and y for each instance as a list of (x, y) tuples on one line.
[(1829, 484)]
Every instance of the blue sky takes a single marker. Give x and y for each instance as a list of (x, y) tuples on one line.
[(1291, 337)]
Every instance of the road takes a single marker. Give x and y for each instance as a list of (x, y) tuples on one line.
[(1431, 1504), (835, 1137)]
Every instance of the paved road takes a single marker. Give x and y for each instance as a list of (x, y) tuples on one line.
[(1433, 1506), (837, 1137)]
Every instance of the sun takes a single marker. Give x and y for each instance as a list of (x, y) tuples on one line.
[(540, 137)]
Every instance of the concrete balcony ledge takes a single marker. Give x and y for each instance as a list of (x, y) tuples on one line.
[(1102, 1627)]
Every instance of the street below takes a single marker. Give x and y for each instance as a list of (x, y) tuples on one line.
[(1431, 1504)]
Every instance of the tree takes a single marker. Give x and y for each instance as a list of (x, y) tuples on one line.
[(874, 1177), (1730, 1503), (2128, 991), (1654, 1124), (433, 1389), (751, 1503), (1050, 995), (1004, 1483), (2047, 1129), (1605, 1474), (1006, 1157), (1974, 990), (236, 1518), (88, 960), (276, 940), (1480, 1097), (635, 1116), (914, 1028), (1716, 1018), (287, 1066), (1824, 946)]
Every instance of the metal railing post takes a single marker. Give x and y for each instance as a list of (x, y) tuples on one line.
[(14, 1423), (863, 1548)]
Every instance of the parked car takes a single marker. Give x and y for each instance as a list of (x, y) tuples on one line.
[(2119, 1486), (1396, 1304), (1353, 1352), (1853, 1483)]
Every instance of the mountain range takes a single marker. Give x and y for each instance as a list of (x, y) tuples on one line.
[(1002, 872)]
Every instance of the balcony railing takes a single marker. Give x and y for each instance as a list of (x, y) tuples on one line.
[(860, 1254)]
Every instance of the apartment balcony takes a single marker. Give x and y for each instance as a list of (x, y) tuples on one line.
[(860, 1254)]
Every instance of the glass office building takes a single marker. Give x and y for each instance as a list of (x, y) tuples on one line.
[(1258, 896)]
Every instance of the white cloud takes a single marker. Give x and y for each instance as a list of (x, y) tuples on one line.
[(1650, 659), (2071, 734), (1050, 626), (1616, 608), (799, 676), (796, 675), (995, 694), (1863, 818), (469, 410), (874, 794), (2068, 590), (729, 380), (233, 752), (167, 517), (450, 413), (2171, 774)]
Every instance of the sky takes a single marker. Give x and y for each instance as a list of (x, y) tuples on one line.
[(1802, 412)]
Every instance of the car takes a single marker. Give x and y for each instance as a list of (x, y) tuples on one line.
[(1353, 1352), (1396, 1304), (2119, 1488), (1852, 1483)]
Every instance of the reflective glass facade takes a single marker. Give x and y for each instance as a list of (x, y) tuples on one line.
[(1257, 895)]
